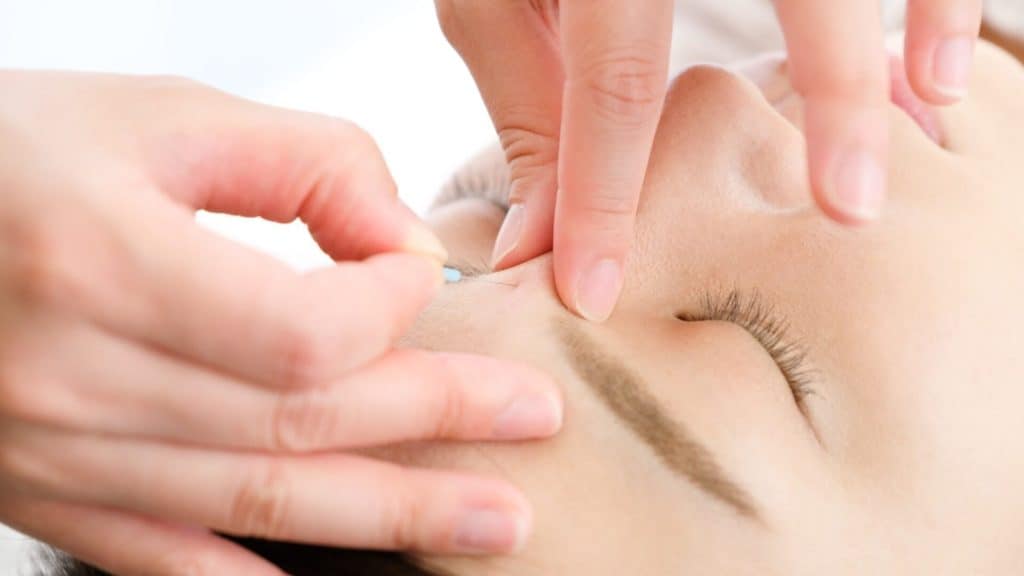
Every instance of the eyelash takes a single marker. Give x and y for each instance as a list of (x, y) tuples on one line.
[(752, 313), (757, 317)]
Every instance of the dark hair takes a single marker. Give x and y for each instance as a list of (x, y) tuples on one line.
[(293, 559)]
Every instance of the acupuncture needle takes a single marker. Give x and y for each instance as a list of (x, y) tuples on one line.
[(454, 276)]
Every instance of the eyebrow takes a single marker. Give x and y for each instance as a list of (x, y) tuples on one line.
[(628, 398)]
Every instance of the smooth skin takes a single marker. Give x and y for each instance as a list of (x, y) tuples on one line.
[(575, 89), (158, 381)]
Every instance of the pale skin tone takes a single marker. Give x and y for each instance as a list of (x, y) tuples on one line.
[(575, 87), (904, 459), (155, 376)]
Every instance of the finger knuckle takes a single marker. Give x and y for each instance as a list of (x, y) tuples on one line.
[(13, 392), (527, 145), (165, 92), (45, 269), (349, 155), (11, 463), (345, 221), (402, 514), (260, 505), (627, 85), (187, 563), (351, 139), (20, 395), (304, 355), (301, 422), (447, 403), (26, 393), (610, 203), (857, 82), (24, 469)]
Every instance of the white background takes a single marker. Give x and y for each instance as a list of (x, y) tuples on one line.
[(380, 63)]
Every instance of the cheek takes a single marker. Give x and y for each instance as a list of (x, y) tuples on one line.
[(722, 387)]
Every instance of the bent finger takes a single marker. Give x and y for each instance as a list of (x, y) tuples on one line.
[(839, 65), (329, 499), (218, 152), (941, 35), (616, 58), (281, 329), (511, 49), (130, 545)]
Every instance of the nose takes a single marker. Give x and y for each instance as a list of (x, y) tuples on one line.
[(722, 147), (725, 167)]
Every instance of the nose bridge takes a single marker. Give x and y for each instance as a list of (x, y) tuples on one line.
[(722, 147), (722, 154)]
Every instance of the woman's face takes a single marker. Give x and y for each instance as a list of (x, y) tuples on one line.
[(775, 394)]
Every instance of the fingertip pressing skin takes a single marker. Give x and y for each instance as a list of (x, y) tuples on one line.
[(940, 41), (527, 230), (616, 54), (838, 64), (598, 290), (577, 121), (847, 151)]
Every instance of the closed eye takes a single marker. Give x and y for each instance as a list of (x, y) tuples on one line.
[(759, 319)]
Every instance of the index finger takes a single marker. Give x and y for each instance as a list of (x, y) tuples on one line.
[(616, 66), (839, 65), (164, 281), (217, 152)]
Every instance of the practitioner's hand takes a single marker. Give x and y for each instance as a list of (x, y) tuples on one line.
[(575, 87), (838, 63), (158, 381), (575, 90)]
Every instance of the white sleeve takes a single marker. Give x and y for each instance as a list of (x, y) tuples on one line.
[(719, 32), (1007, 16)]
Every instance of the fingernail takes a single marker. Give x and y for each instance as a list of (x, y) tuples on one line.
[(598, 290), (422, 241), (489, 531), (508, 236), (534, 415), (951, 66), (858, 186)]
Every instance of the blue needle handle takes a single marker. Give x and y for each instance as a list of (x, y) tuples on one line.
[(451, 275)]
